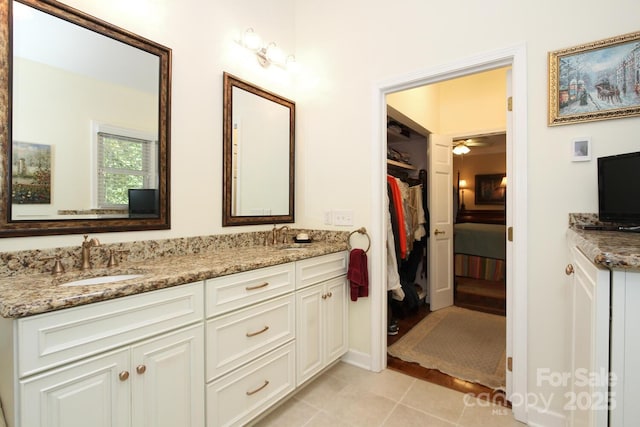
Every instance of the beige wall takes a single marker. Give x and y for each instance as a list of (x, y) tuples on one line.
[(475, 104)]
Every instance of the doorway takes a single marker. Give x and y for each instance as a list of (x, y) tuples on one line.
[(516, 208)]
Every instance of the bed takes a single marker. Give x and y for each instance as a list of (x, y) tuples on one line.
[(480, 254), (480, 245)]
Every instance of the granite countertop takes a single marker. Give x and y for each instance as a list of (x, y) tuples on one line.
[(29, 294), (611, 249)]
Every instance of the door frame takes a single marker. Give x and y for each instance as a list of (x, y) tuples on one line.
[(514, 56)]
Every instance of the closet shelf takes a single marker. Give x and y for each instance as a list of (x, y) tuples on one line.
[(400, 165), (396, 136)]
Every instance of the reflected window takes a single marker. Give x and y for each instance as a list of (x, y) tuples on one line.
[(123, 163)]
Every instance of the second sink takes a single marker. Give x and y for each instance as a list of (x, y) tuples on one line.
[(101, 280)]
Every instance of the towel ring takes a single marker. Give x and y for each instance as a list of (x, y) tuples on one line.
[(361, 230)]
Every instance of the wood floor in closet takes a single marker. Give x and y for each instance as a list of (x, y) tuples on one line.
[(432, 375)]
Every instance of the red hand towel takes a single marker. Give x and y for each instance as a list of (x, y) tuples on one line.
[(358, 274)]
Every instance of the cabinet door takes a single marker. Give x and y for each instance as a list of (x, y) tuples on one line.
[(590, 296), (168, 380), (309, 332), (88, 393), (335, 315)]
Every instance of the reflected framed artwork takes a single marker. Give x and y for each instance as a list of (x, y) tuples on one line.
[(30, 173)]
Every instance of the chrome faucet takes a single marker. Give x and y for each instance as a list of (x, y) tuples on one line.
[(86, 251), (274, 234)]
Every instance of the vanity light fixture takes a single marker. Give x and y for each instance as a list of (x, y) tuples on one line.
[(268, 54)]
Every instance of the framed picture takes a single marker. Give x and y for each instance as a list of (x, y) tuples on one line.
[(490, 190), (595, 81), (581, 149), (30, 173)]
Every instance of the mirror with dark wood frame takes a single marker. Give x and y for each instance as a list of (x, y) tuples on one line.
[(258, 155), (84, 124)]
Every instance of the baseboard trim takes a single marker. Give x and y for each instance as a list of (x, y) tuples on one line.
[(540, 417), (359, 359)]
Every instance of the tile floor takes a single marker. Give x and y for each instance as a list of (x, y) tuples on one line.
[(350, 396)]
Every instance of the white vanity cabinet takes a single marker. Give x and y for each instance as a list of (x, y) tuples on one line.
[(589, 319), (131, 361), (250, 333), (625, 348), (322, 304), (605, 341), (158, 382)]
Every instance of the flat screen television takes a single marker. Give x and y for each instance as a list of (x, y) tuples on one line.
[(619, 188), (143, 203)]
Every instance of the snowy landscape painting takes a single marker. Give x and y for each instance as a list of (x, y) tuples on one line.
[(595, 81)]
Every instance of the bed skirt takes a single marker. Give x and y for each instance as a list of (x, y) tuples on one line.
[(479, 267)]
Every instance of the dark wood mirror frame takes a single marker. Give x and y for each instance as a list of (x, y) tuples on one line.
[(14, 228), (228, 219)]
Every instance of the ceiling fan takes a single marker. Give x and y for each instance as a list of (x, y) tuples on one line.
[(463, 146)]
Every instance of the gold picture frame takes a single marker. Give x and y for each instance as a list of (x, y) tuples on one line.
[(595, 81)]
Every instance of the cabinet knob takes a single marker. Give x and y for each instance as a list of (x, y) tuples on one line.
[(124, 375), (568, 270), (141, 369), (324, 296), (329, 294)]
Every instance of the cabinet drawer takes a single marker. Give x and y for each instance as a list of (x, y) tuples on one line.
[(239, 290), (59, 337), (243, 394), (236, 338), (318, 269)]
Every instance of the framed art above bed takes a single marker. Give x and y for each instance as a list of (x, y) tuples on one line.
[(490, 190)]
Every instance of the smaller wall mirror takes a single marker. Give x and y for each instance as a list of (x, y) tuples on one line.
[(258, 155)]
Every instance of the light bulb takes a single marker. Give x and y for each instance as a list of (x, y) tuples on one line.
[(251, 39), (275, 54)]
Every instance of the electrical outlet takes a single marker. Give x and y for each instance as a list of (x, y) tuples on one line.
[(343, 217), (328, 217)]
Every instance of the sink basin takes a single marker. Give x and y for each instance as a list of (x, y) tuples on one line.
[(101, 280), (292, 246)]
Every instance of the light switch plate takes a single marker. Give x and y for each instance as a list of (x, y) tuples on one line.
[(328, 217), (343, 217)]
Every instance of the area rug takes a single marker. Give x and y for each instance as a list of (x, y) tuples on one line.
[(465, 344)]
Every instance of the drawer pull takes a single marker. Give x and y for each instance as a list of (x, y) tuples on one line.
[(141, 369), (253, 288), (266, 383), (324, 296), (124, 375), (253, 334), (329, 294)]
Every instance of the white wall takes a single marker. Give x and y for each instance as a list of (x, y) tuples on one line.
[(347, 49), (353, 46), (202, 37)]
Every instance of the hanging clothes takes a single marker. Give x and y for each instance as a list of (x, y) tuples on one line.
[(393, 277), (398, 206)]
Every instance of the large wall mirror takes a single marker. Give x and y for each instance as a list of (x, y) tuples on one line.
[(84, 124), (258, 153)]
